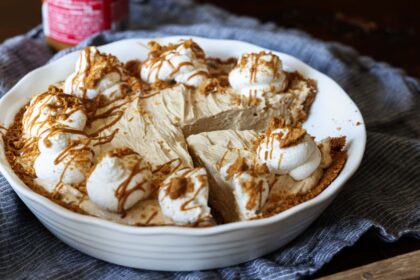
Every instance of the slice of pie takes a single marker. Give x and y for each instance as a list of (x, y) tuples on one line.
[(255, 175)]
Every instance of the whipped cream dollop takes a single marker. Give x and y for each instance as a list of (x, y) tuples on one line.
[(119, 180), (65, 157), (299, 159), (183, 196), (250, 190), (183, 63), (97, 74), (53, 108), (257, 74), (58, 120)]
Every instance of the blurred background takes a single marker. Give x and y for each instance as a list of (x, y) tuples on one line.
[(386, 30)]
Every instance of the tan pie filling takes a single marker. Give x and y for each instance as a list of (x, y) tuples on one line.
[(173, 126)]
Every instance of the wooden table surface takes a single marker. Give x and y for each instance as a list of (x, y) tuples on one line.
[(386, 30)]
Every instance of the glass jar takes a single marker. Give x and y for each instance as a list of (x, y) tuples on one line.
[(67, 22)]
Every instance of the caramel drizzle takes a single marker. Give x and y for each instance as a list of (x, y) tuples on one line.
[(178, 68), (107, 113), (185, 204), (256, 61), (163, 168), (254, 192), (59, 129), (59, 107), (28, 145), (237, 167), (56, 191), (158, 67), (184, 190), (102, 140), (272, 145), (111, 112), (198, 73), (202, 179), (220, 161), (106, 64), (270, 186), (154, 214), (88, 66), (121, 193), (73, 151), (102, 103), (156, 63), (253, 100), (118, 115), (73, 148), (3, 130), (149, 95), (70, 153), (70, 149), (254, 67)]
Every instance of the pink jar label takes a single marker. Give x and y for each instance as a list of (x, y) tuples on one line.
[(71, 21)]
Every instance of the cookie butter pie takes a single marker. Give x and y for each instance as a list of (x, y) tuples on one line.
[(176, 139)]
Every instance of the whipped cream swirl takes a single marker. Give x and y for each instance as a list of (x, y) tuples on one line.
[(57, 120), (119, 180), (183, 63), (257, 74), (65, 157), (183, 196), (97, 74), (53, 108), (250, 190), (299, 159)]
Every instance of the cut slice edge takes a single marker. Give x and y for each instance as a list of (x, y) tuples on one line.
[(212, 149)]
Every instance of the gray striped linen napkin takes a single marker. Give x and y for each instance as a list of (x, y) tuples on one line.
[(384, 195)]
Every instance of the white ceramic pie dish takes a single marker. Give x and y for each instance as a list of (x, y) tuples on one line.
[(175, 248)]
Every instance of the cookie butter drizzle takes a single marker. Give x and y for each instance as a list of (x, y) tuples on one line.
[(151, 217), (63, 107), (97, 66), (162, 171), (59, 110), (186, 186), (73, 152), (3, 130), (116, 112), (292, 137), (255, 64), (159, 54), (254, 190), (121, 192), (183, 184), (167, 167), (256, 61)]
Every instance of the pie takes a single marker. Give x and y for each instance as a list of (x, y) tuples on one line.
[(177, 139)]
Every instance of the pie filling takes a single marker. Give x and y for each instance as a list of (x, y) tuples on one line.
[(178, 139)]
